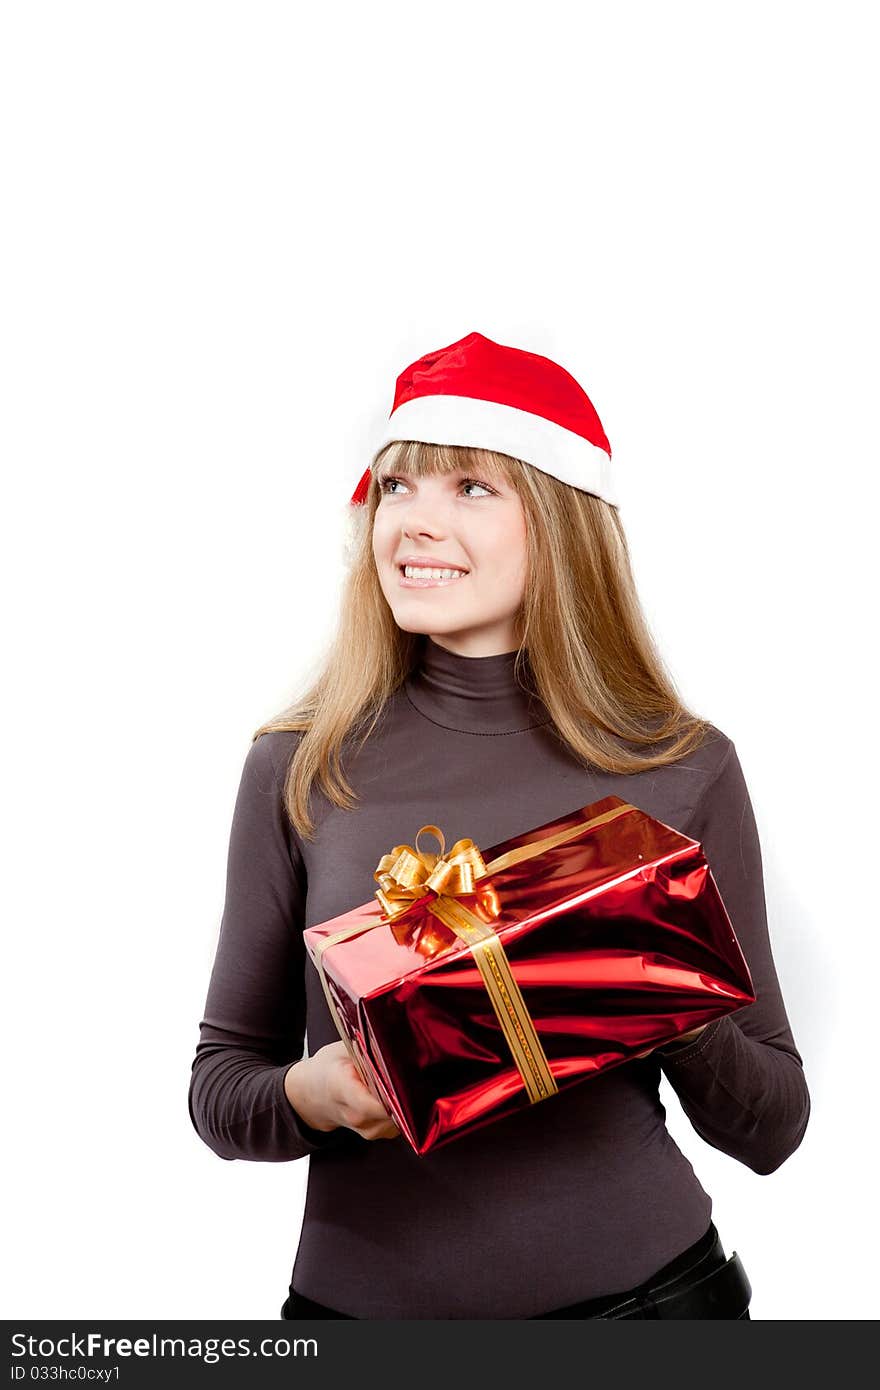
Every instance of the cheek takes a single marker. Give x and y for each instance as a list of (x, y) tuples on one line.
[(508, 547), (380, 539)]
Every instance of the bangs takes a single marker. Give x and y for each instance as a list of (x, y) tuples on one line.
[(420, 460)]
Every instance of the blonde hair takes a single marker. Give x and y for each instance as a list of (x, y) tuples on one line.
[(584, 644)]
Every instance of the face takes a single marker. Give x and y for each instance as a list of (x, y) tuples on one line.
[(457, 521)]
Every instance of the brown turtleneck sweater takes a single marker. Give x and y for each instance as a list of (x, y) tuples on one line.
[(584, 1196)]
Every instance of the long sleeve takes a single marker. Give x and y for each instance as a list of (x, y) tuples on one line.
[(741, 1082), (254, 1018)]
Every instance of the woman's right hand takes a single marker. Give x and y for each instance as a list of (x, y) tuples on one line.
[(327, 1091)]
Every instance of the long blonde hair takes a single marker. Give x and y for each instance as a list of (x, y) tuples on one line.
[(584, 644)]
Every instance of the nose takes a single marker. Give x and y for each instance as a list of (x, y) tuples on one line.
[(424, 515)]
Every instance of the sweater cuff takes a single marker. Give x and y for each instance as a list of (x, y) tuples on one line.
[(684, 1052)]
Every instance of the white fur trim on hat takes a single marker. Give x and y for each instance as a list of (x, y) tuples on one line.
[(506, 430)]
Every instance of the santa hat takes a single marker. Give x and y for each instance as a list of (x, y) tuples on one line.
[(514, 402)]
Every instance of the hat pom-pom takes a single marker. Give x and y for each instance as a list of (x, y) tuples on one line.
[(354, 521)]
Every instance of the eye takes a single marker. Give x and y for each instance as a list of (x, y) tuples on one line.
[(385, 485)]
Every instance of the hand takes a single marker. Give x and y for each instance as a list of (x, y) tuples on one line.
[(327, 1091)]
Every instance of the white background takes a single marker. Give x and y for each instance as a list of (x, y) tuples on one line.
[(226, 229)]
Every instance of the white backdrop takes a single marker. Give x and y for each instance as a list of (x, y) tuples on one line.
[(227, 228)]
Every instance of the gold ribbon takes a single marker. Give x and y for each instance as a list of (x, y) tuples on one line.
[(406, 875)]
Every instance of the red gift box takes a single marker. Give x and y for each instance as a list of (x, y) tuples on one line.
[(474, 985)]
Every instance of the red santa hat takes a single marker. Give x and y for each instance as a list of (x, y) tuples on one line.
[(514, 402)]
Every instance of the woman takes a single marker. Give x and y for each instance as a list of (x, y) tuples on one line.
[(515, 685)]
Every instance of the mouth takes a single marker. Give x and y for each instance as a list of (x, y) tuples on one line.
[(435, 581)]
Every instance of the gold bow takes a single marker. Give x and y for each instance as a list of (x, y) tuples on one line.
[(407, 874)]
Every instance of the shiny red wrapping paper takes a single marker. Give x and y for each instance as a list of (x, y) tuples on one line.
[(612, 940)]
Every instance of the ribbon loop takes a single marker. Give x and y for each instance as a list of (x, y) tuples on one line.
[(438, 834)]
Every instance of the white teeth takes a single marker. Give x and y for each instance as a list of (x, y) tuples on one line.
[(412, 572)]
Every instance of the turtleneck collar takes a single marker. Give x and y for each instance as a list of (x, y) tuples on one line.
[(472, 694)]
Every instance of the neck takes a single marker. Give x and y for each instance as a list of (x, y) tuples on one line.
[(473, 694)]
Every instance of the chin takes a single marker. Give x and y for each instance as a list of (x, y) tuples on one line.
[(420, 626)]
